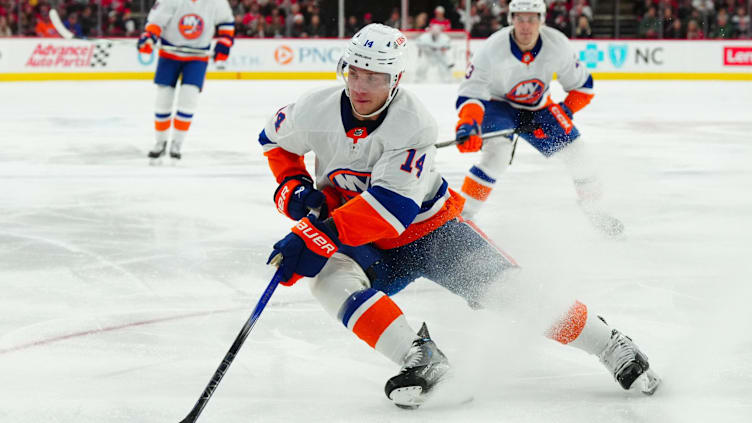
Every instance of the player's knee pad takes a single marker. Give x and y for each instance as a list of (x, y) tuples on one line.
[(188, 99), (165, 97), (495, 156), (338, 280)]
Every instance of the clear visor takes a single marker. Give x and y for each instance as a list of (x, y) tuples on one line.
[(362, 80)]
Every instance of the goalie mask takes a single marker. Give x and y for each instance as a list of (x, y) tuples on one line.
[(376, 48)]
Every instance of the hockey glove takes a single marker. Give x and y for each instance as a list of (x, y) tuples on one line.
[(305, 249), (222, 48), (146, 42), (296, 196), (565, 109), (468, 127)]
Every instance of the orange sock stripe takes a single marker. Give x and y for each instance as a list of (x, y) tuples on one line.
[(376, 319), (162, 125), (475, 190), (182, 125), (570, 327)]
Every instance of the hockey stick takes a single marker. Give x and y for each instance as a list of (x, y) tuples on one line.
[(230, 356), (504, 133), (68, 35)]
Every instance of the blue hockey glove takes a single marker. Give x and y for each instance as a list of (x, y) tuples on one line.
[(146, 42), (296, 197), (305, 249)]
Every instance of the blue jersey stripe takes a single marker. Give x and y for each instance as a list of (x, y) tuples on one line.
[(426, 206), (352, 303), (482, 175), (263, 139), (401, 207), (588, 83)]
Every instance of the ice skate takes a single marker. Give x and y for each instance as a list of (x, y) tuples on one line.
[(157, 152), (175, 154), (628, 364), (424, 367)]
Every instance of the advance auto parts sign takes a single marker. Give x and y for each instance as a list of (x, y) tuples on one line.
[(51, 56)]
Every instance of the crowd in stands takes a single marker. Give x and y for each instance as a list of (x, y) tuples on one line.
[(684, 19), (693, 19)]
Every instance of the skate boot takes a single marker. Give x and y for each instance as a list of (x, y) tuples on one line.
[(628, 364), (424, 367), (175, 150), (156, 153)]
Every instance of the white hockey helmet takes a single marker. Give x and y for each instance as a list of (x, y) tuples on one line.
[(527, 6), (378, 48)]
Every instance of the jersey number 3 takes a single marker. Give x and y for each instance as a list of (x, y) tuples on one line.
[(408, 165)]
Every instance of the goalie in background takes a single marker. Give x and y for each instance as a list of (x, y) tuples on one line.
[(434, 52), (185, 30)]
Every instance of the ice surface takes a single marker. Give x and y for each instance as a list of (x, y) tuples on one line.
[(123, 285)]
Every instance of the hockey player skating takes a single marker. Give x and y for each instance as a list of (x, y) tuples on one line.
[(185, 29), (386, 217), (434, 53), (506, 86)]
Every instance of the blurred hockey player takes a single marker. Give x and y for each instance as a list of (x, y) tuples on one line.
[(506, 87), (385, 217), (185, 29), (434, 53)]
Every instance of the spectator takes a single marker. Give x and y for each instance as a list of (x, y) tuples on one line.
[(394, 19), (73, 26), (694, 32), (474, 17), (44, 26), (722, 28), (277, 27), (641, 8), (4, 27), (367, 18), (667, 18), (88, 22), (580, 8), (561, 22), (316, 29), (583, 28), (740, 20), (500, 9), (684, 10), (290, 20), (439, 18), (128, 23), (649, 24), (421, 21), (674, 30), (298, 29), (352, 26), (260, 29)]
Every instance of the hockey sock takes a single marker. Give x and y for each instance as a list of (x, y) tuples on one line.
[(163, 112), (581, 329), (377, 320), (476, 188), (187, 104)]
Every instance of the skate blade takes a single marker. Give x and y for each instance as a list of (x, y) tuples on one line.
[(446, 393), (408, 397), (648, 382)]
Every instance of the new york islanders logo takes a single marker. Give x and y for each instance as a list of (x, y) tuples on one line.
[(349, 183), (191, 26), (527, 92)]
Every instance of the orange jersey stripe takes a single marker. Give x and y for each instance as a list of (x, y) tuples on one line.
[(376, 319), (570, 327), (167, 55), (162, 125), (451, 209), (226, 32), (154, 29), (284, 164), (181, 125), (358, 223), (475, 190), (577, 100)]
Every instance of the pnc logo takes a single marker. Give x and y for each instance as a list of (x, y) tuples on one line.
[(527, 92), (191, 26), (283, 55)]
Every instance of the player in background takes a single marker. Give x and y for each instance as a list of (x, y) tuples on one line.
[(185, 29), (506, 86), (434, 52), (386, 217)]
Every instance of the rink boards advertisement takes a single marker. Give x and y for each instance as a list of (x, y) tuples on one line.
[(59, 59)]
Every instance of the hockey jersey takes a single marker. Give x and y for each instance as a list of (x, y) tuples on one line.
[(382, 170), (500, 71), (189, 23)]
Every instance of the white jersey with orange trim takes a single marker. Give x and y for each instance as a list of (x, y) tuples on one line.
[(501, 71), (190, 23), (386, 177)]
